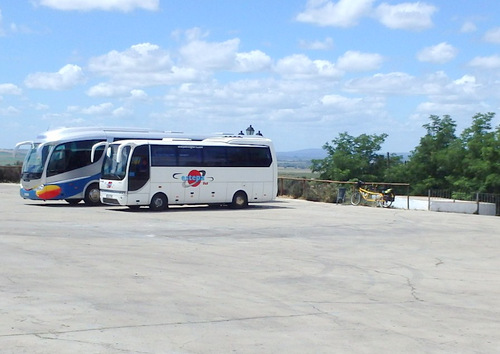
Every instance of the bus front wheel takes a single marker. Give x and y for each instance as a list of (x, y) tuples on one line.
[(240, 200), (159, 202), (92, 195)]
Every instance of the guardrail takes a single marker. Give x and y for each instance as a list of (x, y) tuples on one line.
[(475, 197)]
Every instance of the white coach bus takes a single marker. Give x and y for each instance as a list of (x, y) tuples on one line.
[(58, 165), (232, 170)]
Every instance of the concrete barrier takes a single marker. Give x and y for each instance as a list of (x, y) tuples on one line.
[(444, 205), (463, 207)]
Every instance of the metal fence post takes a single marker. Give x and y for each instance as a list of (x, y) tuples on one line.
[(429, 200)]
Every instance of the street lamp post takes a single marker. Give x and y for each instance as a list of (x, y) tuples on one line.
[(250, 130)]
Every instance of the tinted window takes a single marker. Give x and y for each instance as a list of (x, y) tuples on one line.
[(259, 157), (163, 155), (249, 157), (210, 156), (190, 155), (72, 155), (214, 156)]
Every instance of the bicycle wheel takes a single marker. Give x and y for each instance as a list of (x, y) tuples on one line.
[(356, 198), (387, 201)]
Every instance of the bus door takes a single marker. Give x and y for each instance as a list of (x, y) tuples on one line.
[(138, 176)]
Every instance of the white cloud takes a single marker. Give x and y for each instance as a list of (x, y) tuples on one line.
[(466, 79), (340, 101), (142, 64), (146, 64), (491, 62), (408, 16), (203, 55), (357, 61), (105, 5), (138, 95), (440, 53), (10, 89), (300, 66), (492, 36), (343, 13), (107, 90), (444, 107), (468, 85), (317, 45), (468, 27), (15, 28), (40, 106), (9, 111), (252, 61), (100, 109), (66, 78), (140, 57), (392, 83), (122, 112)]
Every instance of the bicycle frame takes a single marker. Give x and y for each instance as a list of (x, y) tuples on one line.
[(370, 196)]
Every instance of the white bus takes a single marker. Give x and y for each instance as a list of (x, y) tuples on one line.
[(57, 165), (232, 170)]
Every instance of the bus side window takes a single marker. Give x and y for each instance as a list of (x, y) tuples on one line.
[(163, 155), (190, 156), (214, 156)]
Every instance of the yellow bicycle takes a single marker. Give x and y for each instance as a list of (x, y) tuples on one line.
[(383, 199)]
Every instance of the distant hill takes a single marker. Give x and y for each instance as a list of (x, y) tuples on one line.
[(7, 157), (301, 155), (310, 154)]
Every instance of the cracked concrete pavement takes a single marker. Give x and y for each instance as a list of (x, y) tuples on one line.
[(288, 276)]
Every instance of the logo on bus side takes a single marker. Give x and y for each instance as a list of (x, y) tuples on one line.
[(193, 179)]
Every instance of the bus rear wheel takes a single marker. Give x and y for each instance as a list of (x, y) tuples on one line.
[(92, 195), (240, 200), (159, 202)]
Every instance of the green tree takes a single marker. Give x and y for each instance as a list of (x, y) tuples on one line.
[(429, 165), (480, 156), (352, 157)]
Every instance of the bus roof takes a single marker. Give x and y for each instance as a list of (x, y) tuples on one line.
[(79, 133), (212, 140)]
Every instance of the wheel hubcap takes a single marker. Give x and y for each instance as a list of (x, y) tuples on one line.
[(94, 195)]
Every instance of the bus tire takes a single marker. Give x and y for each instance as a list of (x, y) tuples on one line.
[(92, 195), (240, 200), (159, 202)]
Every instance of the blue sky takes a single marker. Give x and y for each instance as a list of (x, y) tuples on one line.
[(301, 71)]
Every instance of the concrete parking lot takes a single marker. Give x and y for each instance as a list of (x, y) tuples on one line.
[(284, 277)]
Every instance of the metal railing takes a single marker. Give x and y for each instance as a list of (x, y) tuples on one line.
[(436, 194)]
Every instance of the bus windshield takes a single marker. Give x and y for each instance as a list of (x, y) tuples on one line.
[(111, 168), (35, 160)]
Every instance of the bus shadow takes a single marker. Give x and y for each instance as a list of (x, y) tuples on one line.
[(200, 207), (171, 209), (66, 205)]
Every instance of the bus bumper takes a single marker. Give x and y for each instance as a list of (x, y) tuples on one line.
[(113, 198)]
